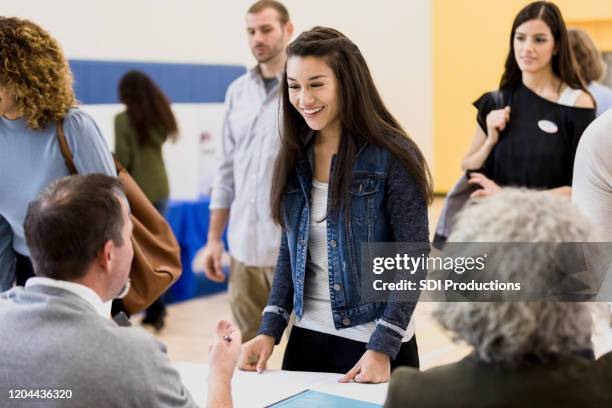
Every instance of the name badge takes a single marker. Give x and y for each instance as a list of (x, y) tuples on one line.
[(548, 126)]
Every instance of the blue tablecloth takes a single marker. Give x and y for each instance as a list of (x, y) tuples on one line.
[(189, 221)]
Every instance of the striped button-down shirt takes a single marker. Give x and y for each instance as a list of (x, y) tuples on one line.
[(249, 144)]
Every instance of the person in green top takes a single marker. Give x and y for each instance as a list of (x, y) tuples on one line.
[(140, 132)]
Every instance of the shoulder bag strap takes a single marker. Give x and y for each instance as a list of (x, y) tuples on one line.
[(502, 98), (64, 147)]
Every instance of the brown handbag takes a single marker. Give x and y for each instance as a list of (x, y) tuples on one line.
[(157, 258)]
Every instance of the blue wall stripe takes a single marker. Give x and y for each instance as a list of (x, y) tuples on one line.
[(96, 81)]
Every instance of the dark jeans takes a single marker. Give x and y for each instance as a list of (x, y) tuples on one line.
[(23, 269), (310, 350)]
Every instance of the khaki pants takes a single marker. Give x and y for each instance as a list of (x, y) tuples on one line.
[(249, 287)]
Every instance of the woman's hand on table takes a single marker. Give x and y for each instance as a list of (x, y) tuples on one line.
[(373, 367), (255, 353)]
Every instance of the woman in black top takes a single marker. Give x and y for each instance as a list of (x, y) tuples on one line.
[(529, 130)]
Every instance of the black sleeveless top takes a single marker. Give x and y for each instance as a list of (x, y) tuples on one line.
[(538, 146)]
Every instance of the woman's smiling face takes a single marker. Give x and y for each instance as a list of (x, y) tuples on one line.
[(313, 91)]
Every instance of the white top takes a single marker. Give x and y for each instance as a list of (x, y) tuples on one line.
[(592, 183), (318, 314), (592, 194), (602, 95), (569, 96), (249, 143), (82, 291)]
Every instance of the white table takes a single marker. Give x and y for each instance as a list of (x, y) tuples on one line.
[(250, 389)]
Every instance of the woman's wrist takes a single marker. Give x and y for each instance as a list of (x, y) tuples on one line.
[(488, 145), (379, 355)]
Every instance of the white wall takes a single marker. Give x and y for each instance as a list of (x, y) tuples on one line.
[(396, 39), (394, 36)]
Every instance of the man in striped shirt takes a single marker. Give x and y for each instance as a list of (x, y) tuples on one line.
[(249, 144)]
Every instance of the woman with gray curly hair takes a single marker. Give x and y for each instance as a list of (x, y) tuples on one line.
[(35, 95), (524, 353)]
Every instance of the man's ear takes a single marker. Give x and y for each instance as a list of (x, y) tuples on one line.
[(289, 28), (105, 255)]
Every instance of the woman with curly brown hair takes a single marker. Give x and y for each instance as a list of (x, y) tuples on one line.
[(35, 95)]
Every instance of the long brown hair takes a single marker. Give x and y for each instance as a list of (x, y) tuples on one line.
[(363, 117), (147, 106), (591, 65), (563, 64)]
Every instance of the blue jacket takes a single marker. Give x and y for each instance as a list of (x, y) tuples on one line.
[(384, 205)]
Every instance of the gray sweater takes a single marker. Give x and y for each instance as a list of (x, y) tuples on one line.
[(52, 339)]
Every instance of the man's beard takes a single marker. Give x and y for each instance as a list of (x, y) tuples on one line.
[(269, 55)]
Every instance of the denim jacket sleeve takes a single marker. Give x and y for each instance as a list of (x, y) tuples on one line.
[(275, 316), (407, 210)]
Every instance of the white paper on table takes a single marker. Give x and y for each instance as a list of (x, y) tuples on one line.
[(250, 389)]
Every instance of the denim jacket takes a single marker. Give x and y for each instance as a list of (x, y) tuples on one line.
[(384, 205)]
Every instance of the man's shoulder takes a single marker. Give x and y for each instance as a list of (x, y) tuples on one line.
[(406, 387), (86, 352), (131, 342), (417, 379), (599, 130), (410, 386), (604, 364), (239, 83), (595, 144), (70, 314)]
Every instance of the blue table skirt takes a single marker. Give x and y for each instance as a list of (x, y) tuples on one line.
[(189, 221)]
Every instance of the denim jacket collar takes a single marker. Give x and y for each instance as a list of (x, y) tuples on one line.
[(309, 149)]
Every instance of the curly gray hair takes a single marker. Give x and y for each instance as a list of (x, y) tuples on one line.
[(505, 332)]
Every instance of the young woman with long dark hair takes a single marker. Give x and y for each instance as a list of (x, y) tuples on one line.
[(140, 132), (528, 131), (346, 174)]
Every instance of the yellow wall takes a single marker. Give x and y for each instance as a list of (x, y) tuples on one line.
[(471, 40), (599, 30)]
